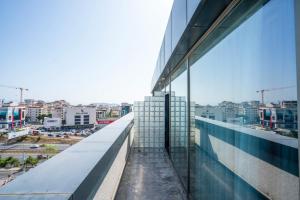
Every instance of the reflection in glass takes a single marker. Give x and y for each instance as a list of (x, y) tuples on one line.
[(245, 97), (178, 123)]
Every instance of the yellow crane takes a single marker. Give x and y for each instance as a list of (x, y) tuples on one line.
[(17, 88), (262, 92)]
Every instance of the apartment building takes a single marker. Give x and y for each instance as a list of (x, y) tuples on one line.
[(34, 111)]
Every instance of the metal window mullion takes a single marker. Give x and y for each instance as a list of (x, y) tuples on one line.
[(188, 126)]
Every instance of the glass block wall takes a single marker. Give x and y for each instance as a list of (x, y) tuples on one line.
[(149, 121), (178, 121)]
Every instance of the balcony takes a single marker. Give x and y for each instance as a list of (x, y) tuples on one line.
[(232, 161)]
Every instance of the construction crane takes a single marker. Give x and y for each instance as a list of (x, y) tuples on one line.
[(17, 88), (262, 92)]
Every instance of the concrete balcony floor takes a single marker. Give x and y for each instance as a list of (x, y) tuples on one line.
[(149, 175)]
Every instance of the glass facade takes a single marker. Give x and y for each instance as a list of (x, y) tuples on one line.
[(178, 123), (247, 82), (241, 99)]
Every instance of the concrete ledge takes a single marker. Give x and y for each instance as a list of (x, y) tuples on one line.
[(110, 184), (75, 173)]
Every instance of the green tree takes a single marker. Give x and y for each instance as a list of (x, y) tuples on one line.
[(50, 149), (14, 162), (9, 162), (31, 161), (2, 162), (41, 117)]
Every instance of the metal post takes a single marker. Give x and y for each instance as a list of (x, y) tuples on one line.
[(188, 127)]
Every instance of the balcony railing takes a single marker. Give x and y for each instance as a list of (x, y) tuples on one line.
[(81, 171)]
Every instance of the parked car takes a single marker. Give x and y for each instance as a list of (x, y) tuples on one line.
[(50, 135), (35, 146), (35, 132), (41, 156)]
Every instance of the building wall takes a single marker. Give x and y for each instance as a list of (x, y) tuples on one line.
[(12, 117), (52, 123), (34, 112), (149, 121), (80, 111), (249, 47)]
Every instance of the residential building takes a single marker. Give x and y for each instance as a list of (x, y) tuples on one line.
[(249, 112), (59, 112), (101, 113), (210, 112), (34, 111), (115, 112)]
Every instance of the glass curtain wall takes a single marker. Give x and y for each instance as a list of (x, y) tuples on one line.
[(178, 123), (245, 95)]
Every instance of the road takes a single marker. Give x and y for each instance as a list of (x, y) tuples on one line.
[(26, 146)]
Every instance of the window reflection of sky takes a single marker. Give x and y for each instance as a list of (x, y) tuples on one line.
[(259, 54)]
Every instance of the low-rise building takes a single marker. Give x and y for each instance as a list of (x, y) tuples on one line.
[(52, 123), (59, 112), (80, 116), (210, 112), (125, 108), (115, 112), (283, 115), (34, 111), (12, 117), (101, 113)]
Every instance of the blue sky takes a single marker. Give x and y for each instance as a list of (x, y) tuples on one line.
[(82, 51), (259, 54)]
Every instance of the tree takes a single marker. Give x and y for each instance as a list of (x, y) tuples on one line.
[(14, 162), (31, 161), (42, 116), (9, 162), (50, 149)]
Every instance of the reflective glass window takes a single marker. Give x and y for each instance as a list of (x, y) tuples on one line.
[(245, 104)]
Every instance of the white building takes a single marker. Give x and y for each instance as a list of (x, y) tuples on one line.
[(211, 112), (249, 112), (52, 123), (101, 113), (58, 112), (34, 111), (80, 116)]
